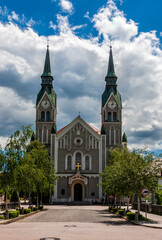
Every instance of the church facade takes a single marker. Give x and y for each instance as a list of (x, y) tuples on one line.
[(79, 150)]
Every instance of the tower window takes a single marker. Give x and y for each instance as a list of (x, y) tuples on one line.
[(69, 163), (114, 117), (42, 116), (109, 116), (48, 116), (87, 163)]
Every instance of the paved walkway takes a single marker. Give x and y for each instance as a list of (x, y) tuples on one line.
[(156, 220), (76, 223)]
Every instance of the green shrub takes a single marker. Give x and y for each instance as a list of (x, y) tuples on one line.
[(35, 208), (13, 214), (41, 207), (2, 217), (27, 210), (121, 212), (114, 210), (130, 215)]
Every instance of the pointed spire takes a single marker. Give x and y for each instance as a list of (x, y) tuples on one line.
[(47, 65), (111, 71)]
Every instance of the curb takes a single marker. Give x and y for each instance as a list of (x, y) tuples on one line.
[(136, 223), (22, 217)]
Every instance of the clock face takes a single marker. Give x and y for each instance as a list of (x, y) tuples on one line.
[(112, 104), (45, 104)]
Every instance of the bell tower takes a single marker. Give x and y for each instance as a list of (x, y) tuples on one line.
[(46, 105), (111, 108)]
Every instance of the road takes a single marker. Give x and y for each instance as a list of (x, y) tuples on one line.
[(76, 223)]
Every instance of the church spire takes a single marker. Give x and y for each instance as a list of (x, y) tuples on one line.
[(111, 71), (111, 77), (47, 65), (46, 76)]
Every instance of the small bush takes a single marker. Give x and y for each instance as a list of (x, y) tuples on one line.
[(35, 208), (27, 210), (121, 212), (114, 210), (130, 215), (13, 214), (2, 217), (41, 207)]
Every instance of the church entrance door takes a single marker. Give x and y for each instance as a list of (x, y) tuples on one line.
[(78, 192)]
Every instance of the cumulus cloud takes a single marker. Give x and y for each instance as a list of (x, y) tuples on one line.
[(79, 67), (66, 6)]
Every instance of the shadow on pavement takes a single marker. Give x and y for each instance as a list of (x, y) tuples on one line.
[(49, 238), (112, 219)]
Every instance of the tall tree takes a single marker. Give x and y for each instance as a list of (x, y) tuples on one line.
[(12, 156), (129, 172)]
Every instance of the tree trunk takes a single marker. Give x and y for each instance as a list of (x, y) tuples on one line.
[(18, 197), (29, 200), (128, 203), (138, 203), (37, 200), (6, 200), (41, 201), (120, 201), (115, 200)]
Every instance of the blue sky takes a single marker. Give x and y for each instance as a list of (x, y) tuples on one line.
[(147, 13), (79, 33)]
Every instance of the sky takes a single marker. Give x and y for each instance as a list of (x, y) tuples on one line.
[(79, 34)]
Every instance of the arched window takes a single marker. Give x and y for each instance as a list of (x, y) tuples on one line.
[(42, 116), (87, 163), (114, 117), (78, 158), (69, 163), (48, 116), (109, 116), (104, 116)]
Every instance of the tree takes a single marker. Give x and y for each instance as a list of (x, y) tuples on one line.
[(11, 157), (45, 178), (129, 172)]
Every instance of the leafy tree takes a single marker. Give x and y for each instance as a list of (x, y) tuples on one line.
[(129, 172), (11, 157), (41, 177)]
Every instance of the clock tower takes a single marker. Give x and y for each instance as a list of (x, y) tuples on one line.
[(46, 105), (111, 108)]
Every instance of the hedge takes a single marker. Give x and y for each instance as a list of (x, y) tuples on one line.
[(114, 210), (27, 210), (13, 214), (41, 207), (121, 212), (35, 208)]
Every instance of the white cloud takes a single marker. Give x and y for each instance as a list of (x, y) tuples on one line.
[(79, 67), (111, 23), (30, 23), (53, 26), (66, 5)]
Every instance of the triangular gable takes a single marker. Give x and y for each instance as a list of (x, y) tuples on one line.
[(45, 93), (112, 94), (87, 126)]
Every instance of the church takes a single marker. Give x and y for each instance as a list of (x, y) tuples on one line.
[(79, 150)]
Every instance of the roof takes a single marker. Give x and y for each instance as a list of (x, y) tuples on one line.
[(47, 66), (107, 94), (111, 71), (51, 93), (124, 137), (94, 128)]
